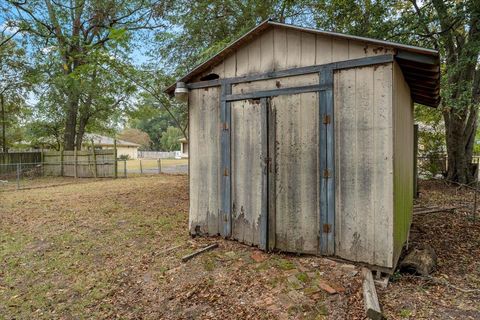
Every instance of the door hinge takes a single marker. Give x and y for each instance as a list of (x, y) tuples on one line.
[(327, 228), (326, 173), (225, 126), (326, 119), (225, 172)]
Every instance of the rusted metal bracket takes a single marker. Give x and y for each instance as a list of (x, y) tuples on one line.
[(326, 119), (327, 228), (326, 173)]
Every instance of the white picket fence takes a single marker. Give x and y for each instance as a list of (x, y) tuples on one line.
[(157, 154)]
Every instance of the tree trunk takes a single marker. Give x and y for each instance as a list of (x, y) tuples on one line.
[(4, 138), (71, 124), (82, 123), (460, 139)]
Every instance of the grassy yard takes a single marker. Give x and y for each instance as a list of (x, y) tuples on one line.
[(152, 163), (111, 249)]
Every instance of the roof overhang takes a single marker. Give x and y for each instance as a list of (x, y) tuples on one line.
[(420, 66)]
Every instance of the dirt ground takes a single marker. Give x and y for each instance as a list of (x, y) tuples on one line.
[(453, 291), (112, 249)]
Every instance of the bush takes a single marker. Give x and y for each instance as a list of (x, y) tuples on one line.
[(124, 157)]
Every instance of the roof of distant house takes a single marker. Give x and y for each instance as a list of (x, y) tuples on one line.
[(100, 140)]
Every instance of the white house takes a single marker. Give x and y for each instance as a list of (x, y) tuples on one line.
[(124, 148), (183, 147)]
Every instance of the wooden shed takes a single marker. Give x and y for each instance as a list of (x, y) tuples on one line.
[(302, 141)]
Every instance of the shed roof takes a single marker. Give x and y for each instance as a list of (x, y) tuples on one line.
[(420, 66)]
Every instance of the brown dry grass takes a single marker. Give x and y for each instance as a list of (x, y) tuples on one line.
[(99, 250), (111, 249)]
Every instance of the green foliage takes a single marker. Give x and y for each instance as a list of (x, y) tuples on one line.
[(136, 136), (170, 139), (431, 141), (46, 134), (199, 29), (124, 157), (73, 49)]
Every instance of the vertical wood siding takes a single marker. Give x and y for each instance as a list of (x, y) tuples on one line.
[(363, 143), (364, 164), (403, 160), (204, 106), (280, 48), (248, 150), (296, 177)]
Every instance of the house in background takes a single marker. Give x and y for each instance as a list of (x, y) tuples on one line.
[(124, 148), (183, 148)]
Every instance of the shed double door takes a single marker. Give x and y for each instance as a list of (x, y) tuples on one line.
[(274, 165)]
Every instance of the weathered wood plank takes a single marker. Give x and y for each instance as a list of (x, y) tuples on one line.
[(403, 160), (219, 69), (242, 62), (280, 48), (364, 197), (324, 49), (364, 164), (356, 49), (308, 49), (277, 83), (200, 251), (204, 161), (254, 56), (339, 49), (370, 299), (345, 137), (267, 62), (383, 170), (248, 154), (296, 185), (230, 66), (293, 48)]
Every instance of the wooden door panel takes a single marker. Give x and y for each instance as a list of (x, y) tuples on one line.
[(249, 174), (296, 172)]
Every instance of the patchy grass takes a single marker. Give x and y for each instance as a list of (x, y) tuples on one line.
[(113, 248)]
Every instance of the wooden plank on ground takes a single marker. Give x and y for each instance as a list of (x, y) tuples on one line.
[(200, 251), (370, 299)]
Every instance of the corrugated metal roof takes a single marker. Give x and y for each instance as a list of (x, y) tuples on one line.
[(420, 66)]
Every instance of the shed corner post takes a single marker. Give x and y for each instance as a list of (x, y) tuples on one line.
[(327, 163), (415, 161), (225, 141)]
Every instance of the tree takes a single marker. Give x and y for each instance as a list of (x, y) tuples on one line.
[(14, 73), (214, 24), (79, 33), (171, 139), (153, 118), (454, 28), (450, 26), (136, 136)]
